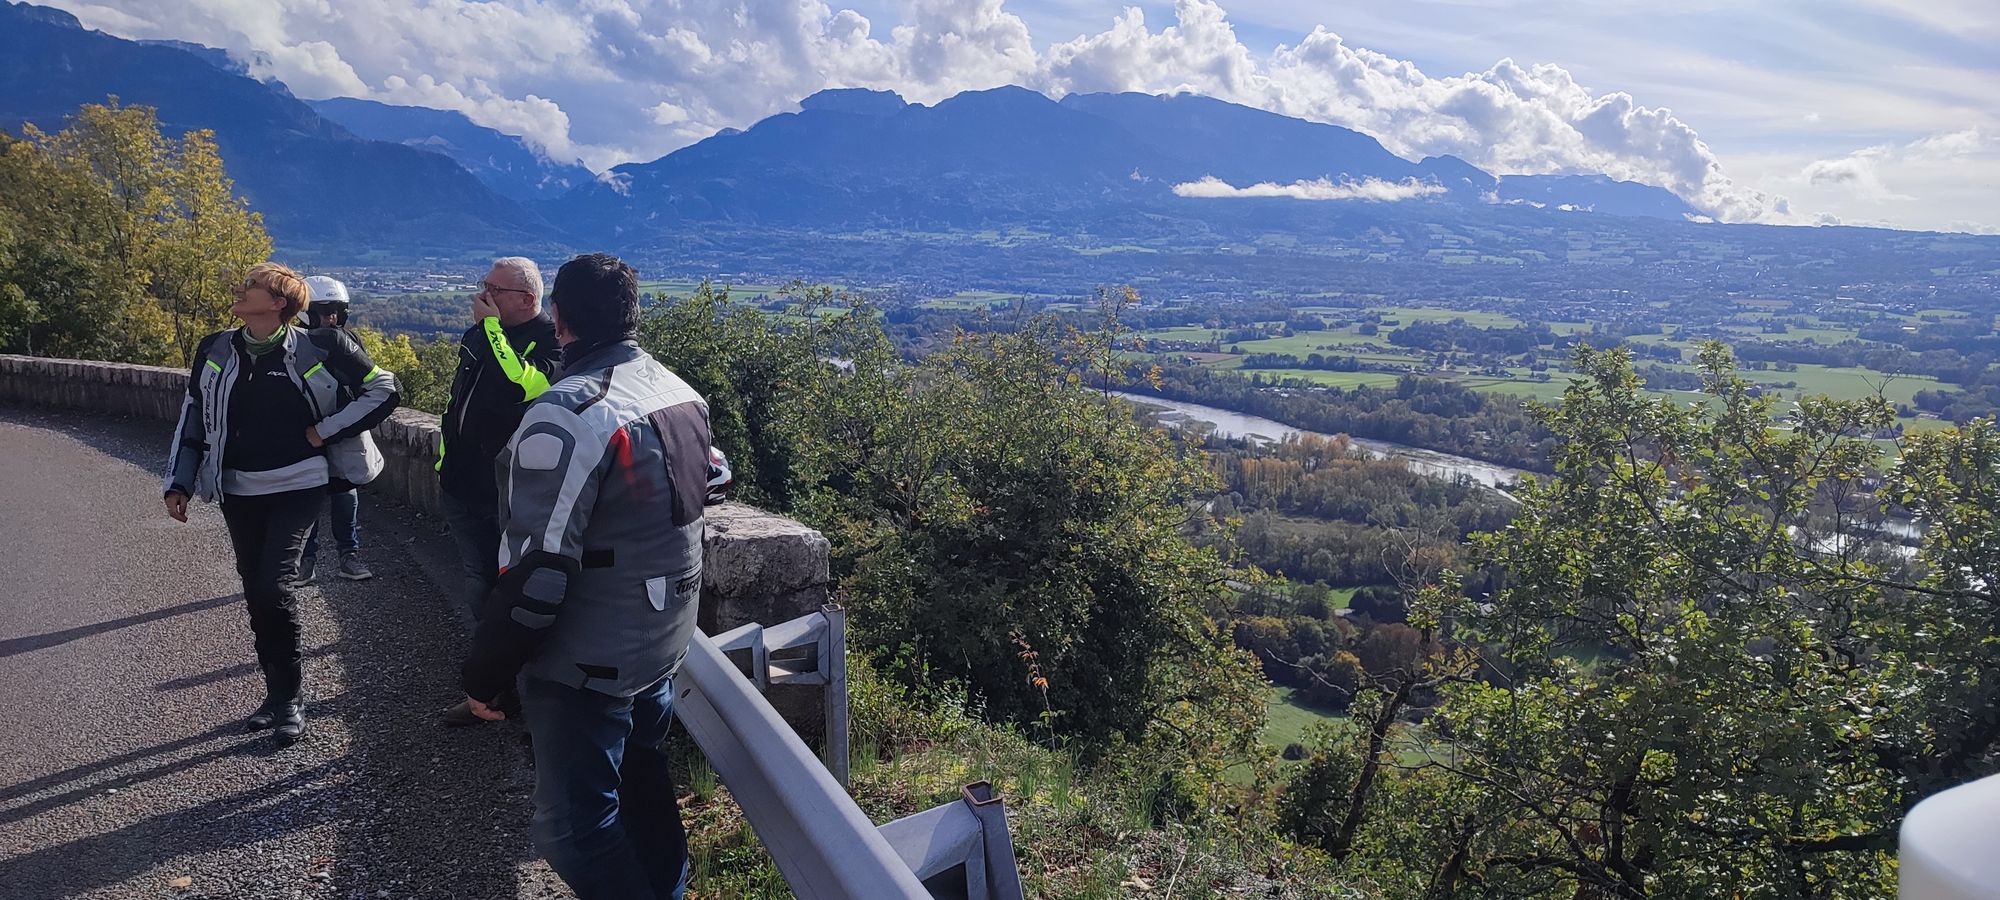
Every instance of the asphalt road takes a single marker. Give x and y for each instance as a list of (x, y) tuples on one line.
[(126, 670)]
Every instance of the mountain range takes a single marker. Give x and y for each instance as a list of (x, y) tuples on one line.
[(317, 183), (355, 180), (857, 159), (505, 163)]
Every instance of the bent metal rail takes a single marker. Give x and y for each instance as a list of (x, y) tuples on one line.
[(820, 839)]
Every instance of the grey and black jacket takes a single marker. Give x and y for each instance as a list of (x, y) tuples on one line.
[(602, 491), (320, 363)]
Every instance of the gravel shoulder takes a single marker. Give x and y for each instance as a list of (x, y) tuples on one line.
[(126, 669)]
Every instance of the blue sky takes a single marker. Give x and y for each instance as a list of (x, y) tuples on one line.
[(1857, 111)]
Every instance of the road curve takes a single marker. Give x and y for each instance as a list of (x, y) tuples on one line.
[(126, 670)]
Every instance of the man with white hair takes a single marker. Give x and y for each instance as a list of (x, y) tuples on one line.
[(507, 358)]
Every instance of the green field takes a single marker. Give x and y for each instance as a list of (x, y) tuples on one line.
[(1329, 379), (1408, 314), (1848, 382), (1922, 425), (1190, 333), (1286, 720), (1388, 361), (976, 300), (417, 295), (1117, 248), (1341, 598), (1342, 342), (1546, 391), (1827, 336)]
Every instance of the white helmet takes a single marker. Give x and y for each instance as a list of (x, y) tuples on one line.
[(326, 287), (328, 308)]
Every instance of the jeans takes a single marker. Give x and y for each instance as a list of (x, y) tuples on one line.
[(606, 816), (475, 531), (268, 533), (346, 522)]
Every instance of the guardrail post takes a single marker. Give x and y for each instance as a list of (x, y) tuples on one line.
[(960, 849), (1003, 877), (833, 663)]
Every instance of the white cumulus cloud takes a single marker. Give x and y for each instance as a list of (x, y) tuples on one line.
[(1953, 145), (1509, 119), (665, 113), (1376, 189), (1946, 180), (1866, 172), (1859, 172)]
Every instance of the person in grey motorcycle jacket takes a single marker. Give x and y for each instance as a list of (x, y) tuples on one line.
[(602, 494), (273, 413)]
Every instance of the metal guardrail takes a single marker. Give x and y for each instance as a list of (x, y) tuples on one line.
[(960, 849), (822, 638), (821, 841)]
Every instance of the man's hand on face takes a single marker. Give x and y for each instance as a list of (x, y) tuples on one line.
[(483, 308)]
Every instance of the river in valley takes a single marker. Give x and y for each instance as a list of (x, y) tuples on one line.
[(1240, 425), (1429, 462)]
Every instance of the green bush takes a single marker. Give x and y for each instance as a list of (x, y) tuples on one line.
[(994, 522)]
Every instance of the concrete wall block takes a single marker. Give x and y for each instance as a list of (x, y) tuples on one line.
[(760, 568)]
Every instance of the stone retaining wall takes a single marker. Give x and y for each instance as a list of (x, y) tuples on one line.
[(760, 567)]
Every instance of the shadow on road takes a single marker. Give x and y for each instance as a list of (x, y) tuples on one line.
[(234, 820), (141, 442), (33, 642), (232, 738), (240, 670), (379, 799), (79, 773)]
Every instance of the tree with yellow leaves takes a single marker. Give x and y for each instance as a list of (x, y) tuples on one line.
[(118, 243), (206, 239)]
